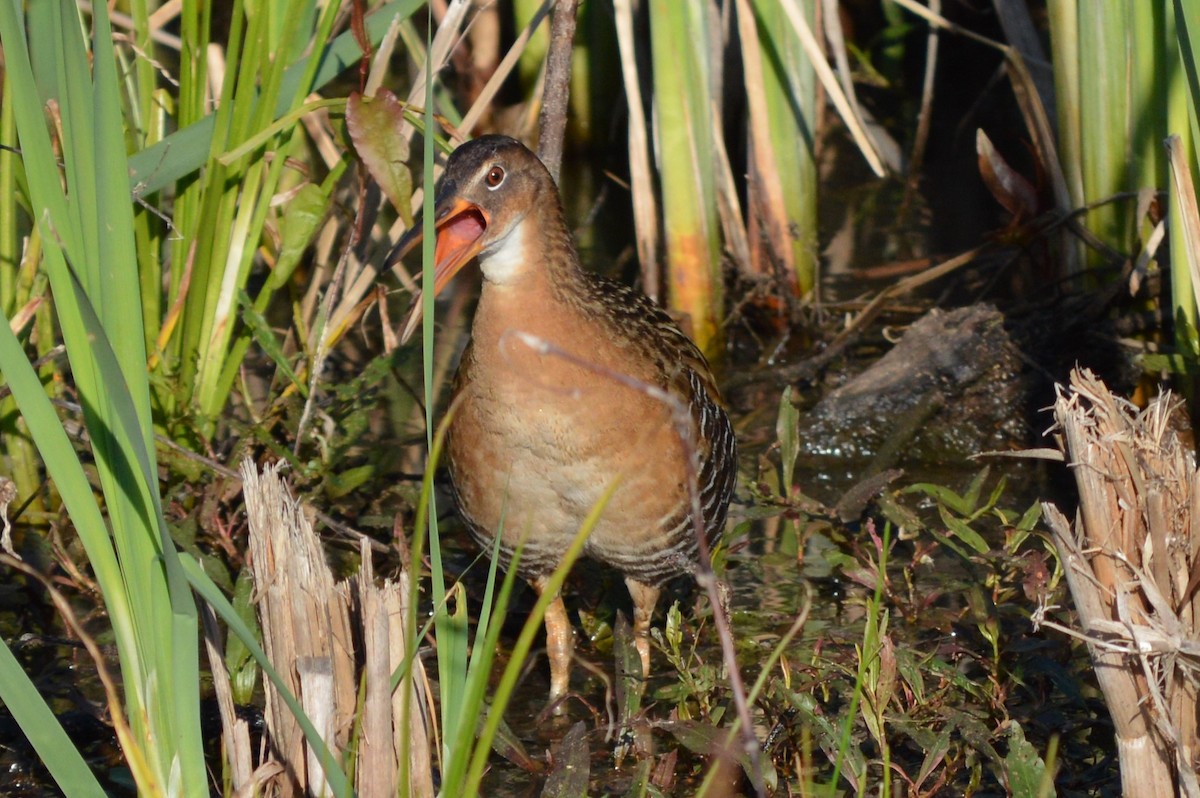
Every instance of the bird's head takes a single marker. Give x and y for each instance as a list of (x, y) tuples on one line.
[(491, 185)]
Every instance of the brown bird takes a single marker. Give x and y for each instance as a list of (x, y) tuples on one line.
[(538, 436)]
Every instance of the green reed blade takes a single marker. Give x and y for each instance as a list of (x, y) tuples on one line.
[(679, 32)]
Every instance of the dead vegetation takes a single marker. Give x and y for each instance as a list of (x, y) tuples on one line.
[(1132, 561), (336, 646)]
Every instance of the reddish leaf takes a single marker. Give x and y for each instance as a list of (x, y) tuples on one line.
[(1010, 189), (374, 124), (664, 773)]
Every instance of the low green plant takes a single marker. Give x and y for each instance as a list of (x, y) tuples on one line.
[(918, 670), (875, 680), (699, 681)]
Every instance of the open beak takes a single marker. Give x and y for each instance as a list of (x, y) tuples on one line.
[(460, 226)]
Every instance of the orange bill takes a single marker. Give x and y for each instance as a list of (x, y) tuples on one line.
[(460, 226)]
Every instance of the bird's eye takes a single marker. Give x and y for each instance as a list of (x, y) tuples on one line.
[(495, 177)]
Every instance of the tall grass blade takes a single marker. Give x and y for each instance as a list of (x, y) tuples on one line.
[(641, 178), (1064, 40), (91, 261), (1151, 55), (1104, 110), (10, 253), (683, 101), (1184, 204), (450, 632), (18, 288), (1183, 103), (781, 92)]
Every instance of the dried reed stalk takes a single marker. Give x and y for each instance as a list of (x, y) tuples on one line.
[(308, 625), (1130, 559), (304, 617), (235, 731)]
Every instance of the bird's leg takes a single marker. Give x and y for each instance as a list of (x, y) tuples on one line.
[(644, 598), (560, 639)]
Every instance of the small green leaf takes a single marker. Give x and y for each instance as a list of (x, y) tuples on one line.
[(303, 218), (1031, 517), (994, 498), (971, 497), (239, 661), (934, 754), (569, 777), (265, 337), (674, 629), (941, 495), (902, 518), (787, 432), (963, 532), (507, 744), (629, 670), (949, 542), (910, 671), (885, 686), (346, 482), (706, 740), (1025, 769), (184, 534), (216, 569), (640, 787)]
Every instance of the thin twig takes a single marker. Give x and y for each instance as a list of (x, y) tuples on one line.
[(552, 122), (924, 117), (119, 20)]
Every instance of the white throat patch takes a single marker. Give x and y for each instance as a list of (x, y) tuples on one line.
[(505, 260)]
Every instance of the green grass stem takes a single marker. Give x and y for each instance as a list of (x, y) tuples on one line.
[(1183, 100), (781, 90), (91, 261), (679, 32), (529, 631), (874, 623)]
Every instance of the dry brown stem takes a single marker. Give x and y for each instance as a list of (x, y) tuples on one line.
[(235, 731), (1128, 559), (307, 622)]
